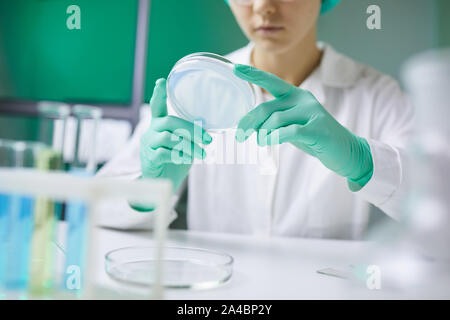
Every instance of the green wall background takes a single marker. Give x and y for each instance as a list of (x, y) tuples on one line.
[(444, 23), (47, 61), (180, 27)]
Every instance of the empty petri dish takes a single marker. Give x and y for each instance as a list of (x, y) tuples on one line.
[(181, 267), (202, 87)]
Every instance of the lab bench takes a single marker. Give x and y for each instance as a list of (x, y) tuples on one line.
[(268, 267)]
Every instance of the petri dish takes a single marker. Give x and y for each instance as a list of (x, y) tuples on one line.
[(182, 268), (202, 87)]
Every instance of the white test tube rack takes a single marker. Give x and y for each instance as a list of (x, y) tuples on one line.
[(65, 187)]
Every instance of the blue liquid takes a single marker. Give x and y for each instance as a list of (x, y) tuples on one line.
[(76, 242), (4, 223), (77, 220), (16, 221)]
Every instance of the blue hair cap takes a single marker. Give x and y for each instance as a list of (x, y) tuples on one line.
[(327, 5)]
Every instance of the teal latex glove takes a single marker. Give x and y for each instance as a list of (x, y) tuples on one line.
[(170, 145), (297, 117)]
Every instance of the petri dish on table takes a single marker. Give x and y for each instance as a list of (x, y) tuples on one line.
[(202, 87), (188, 268)]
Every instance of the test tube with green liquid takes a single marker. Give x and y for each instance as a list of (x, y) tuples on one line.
[(52, 133), (42, 248)]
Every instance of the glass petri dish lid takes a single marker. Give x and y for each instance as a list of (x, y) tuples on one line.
[(202, 87), (182, 268)]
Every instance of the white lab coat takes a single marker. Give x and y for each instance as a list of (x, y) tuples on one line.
[(301, 197)]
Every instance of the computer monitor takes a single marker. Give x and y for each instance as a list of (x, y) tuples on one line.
[(77, 52)]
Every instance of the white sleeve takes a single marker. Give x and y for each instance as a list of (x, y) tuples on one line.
[(392, 130), (126, 165)]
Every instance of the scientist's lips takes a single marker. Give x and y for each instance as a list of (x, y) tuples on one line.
[(269, 30)]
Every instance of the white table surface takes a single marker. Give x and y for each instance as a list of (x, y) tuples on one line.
[(268, 268)]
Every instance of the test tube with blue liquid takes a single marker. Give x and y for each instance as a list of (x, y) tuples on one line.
[(16, 219), (84, 164), (6, 161)]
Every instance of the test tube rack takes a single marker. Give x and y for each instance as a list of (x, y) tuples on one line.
[(60, 186)]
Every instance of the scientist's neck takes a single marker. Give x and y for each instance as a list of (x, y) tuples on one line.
[(293, 65)]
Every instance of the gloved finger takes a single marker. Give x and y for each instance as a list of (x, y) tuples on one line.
[(183, 128), (191, 149), (253, 120), (292, 133), (261, 136), (163, 156), (158, 104), (280, 119), (305, 148), (276, 86), (173, 142), (270, 139)]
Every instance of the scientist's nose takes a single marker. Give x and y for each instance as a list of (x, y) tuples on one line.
[(264, 7)]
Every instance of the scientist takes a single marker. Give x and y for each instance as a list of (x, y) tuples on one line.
[(342, 128)]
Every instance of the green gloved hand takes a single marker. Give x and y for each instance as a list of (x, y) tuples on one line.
[(169, 146), (297, 117)]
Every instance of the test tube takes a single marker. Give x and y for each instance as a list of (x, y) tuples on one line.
[(21, 221), (6, 161), (84, 164), (87, 119), (53, 118), (17, 219)]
